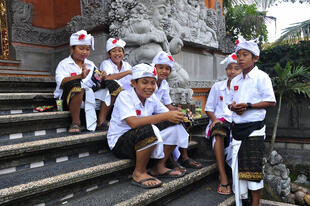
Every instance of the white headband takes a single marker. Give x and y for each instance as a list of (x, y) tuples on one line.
[(250, 45), (82, 38), (232, 58), (112, 43), (163, 58), (143, 70)]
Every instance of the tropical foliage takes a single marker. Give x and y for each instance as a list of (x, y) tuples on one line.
[(247, 21), (289, 82)]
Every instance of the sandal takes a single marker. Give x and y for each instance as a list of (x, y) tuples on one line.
[(190, 163), (175, 165), (140, 183), (228, 189), (103, 127), (169, 174), (75, 126)]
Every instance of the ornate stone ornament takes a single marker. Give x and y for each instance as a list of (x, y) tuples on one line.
[(4, 33)]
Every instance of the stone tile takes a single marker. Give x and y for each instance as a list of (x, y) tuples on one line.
[(279, 145), (306, 146), (16, 136), (86, 154), (62, 159), (40, 133), (7, 170), (294, 146), (37, 164)]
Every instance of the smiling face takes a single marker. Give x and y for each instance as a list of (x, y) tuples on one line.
[(246, 59), (144, 87), (163, 71), (116, 55), (233, 70), (80, 52)]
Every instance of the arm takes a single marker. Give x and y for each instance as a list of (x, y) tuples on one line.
[(84, 73), (242, 107), (171, 107), (118, 75), (171, 116)]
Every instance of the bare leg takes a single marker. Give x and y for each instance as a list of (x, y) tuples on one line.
[(104, 110), (219, 154), (142, 158), (161, 168), (75, 108), (256, 197)]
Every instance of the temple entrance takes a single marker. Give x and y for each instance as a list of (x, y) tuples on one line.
[(4, 33)]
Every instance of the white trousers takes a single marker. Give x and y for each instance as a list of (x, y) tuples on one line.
[(240, 187), (174, 135)]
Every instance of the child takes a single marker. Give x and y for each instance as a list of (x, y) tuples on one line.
[(220, 120), (133, 133), (251, 94), (74, 79), (115, 69), (164, 64)]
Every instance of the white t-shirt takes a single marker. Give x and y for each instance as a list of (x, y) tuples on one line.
[(162, 92), (67, 68), (128, 104), (254, 88), (110, 68)]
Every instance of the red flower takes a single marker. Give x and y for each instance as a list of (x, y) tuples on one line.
[(221, 98), (236, 88), (234, 57), (114, 41), (237, 42), (154, 72), (138, 112), (73, 74), (82, 36), (170, 57)]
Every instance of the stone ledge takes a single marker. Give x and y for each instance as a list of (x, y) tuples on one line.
[(4, 119), (27, 147), (155, 194), (31, 188), (20, 96), (228, 202), (27, 79)]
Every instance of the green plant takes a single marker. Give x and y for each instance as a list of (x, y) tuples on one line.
[(288, 82)]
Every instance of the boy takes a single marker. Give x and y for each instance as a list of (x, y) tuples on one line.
[(74, 79), (164, 64), (133, 134), (220, 119), (115, 69), (252, 93)]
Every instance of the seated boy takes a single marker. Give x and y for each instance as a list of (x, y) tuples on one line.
[(74, 82), (133, 133), (164, 64), (220, 120)]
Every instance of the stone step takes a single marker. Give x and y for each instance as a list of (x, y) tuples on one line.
[(19, 123), (21, 156), (44, 179), (14, 103), (9, 62), (12, 70), (26, 84), (124, 193)]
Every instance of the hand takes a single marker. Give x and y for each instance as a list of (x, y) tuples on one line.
[(239, 108), (129, 72), (85, 71), (103, 75), (214, 122), (175, 116)]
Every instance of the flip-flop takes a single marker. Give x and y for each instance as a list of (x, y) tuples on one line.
[(190, 163), (169, 175), (140, 183), (103, 127), (223, 193), (175, 165), (75, 126)]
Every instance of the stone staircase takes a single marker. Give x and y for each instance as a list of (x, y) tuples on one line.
[(41, 164)]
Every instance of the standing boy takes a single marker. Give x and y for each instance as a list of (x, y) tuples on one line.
[(252, 93), (220, 119), (133, 133)]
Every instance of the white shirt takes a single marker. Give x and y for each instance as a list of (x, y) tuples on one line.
[(110, 68), (162, 92), (254, 88), (67, 68), (128, 104), (218, 101)]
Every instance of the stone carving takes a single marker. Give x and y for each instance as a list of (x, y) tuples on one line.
[(276, 176), (23, 31), (94, 15)]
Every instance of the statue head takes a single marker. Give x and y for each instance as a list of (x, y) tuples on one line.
[(161, 9)]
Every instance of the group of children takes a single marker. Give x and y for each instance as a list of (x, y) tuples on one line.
[(145, 125)]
